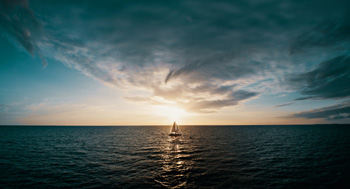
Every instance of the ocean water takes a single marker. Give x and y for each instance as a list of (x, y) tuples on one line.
[(313, 156)]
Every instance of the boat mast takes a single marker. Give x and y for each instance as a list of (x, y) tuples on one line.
[(173, 129)]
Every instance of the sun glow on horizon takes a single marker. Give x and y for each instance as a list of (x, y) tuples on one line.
[(171, 113)]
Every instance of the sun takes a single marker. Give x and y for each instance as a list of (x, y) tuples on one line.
[(171, 112)]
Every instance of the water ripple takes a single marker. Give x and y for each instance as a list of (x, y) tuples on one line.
[(204, 157)]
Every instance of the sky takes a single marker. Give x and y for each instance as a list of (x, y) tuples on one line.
[(114, 62)]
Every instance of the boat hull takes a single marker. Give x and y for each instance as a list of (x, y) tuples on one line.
[(174, 134)]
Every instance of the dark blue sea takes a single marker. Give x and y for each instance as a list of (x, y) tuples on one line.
[(299, 156)]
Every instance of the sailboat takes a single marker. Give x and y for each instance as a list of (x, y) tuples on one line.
[(175, 130)]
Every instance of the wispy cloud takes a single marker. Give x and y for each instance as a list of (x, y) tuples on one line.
[(281, 105), (20, 22), (335, 112), (332, 33), (329, 80)]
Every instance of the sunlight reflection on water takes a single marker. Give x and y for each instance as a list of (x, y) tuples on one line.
[(176, 164)]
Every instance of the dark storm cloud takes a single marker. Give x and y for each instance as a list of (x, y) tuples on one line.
[(339, 111), (200, 49), (330, 79)]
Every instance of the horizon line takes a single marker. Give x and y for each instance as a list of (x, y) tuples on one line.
[(171, 124)]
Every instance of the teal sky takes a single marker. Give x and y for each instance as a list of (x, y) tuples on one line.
[(197, 62)]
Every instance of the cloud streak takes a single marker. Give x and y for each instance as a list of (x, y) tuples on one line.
[(335, 112), (332, 33), (20, 22), (329, 80), (281, 105)]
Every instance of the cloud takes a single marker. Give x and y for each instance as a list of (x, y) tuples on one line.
[(333, 33), (225, 66), (335, 112), (200, 55), (330, 80), (281, 105), (209, 106), (18, 19), (20, 22), (199, 99), (329, 38)]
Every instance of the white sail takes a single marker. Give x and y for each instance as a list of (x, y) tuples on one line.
[(174, 131), (176, 128)]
